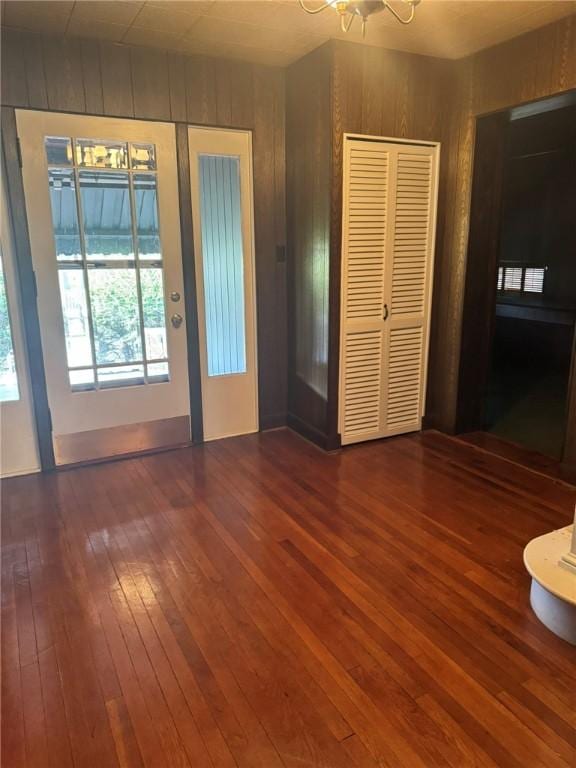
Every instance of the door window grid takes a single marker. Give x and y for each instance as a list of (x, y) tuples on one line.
[(133, 168)]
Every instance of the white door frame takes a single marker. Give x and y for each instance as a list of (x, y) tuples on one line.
[(383, 323), (97, 424), (229, 402), (18, 443)]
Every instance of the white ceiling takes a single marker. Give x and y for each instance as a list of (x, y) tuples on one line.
[(278, 31)]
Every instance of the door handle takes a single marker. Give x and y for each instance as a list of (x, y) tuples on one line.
[(385, 311), (176, 320)]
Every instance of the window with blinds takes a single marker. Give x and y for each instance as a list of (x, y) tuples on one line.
[(521, 279)]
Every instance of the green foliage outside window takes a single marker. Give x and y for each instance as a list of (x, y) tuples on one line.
[(8, 378), (115, 313), (5, 335)]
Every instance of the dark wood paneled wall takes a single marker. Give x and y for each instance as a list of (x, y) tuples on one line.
[(308, 152), (83, 76), (522, 209), (528, 68), (388, 93), (539, 197), (537, 65), (341, 88), (569, 458), (479, 311)]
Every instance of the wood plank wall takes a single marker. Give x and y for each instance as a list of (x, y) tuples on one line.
[(569, 457), (370, 91), (388, 93), (308, 152), (364, 90), (531, 67), (393, 94), (479, 309), (91, 77)]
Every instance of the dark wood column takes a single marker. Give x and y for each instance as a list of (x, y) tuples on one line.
[(481, 270)]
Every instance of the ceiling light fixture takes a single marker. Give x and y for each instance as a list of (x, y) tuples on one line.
[(349, 9)]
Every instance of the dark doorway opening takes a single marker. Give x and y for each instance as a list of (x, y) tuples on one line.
[(520, 303)]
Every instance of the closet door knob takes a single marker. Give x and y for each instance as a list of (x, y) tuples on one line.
[(385, 311)]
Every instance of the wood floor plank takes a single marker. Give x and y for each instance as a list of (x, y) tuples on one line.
[(13, 750), (497, 715), (127, 750), (257, 603), (506, 652), (247, 739), (517, 454)]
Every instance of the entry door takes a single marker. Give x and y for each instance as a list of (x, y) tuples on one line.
[(102, 206), (18, 449), (388, 231), (222, 209)]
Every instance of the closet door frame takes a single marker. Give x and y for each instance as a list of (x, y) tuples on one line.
[(436, 147)]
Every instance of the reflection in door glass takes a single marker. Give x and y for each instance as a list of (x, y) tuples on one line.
[(64, 214), (146, 205), (82, 379), (109, 262), (101, 154), (121, 374), (107, 215), (153, 311), (59, 150), (114, 300), (75, 312), (223, 264), (157, 371), (8, 376), (143, 157)]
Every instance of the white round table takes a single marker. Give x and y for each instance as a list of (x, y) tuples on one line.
[(553, 591)]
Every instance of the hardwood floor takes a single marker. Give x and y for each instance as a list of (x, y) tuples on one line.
[(257, 603), (538, 462)]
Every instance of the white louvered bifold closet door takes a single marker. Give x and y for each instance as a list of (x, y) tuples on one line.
[(389, 210)]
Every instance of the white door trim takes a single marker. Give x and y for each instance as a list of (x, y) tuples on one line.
[(229, 402), (18, 444), (385, 326), (90, 413)]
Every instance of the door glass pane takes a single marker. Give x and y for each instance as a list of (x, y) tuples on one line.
[(222, 259), (115, 315), (75, 312), (58, 150), (146, 207), (153, 311), (101, 154), (114, 301), (64, 214), (158, 371), (107, 216), (112, 294), (125, 374), (143, 157), (83, 379), (8, 377)]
